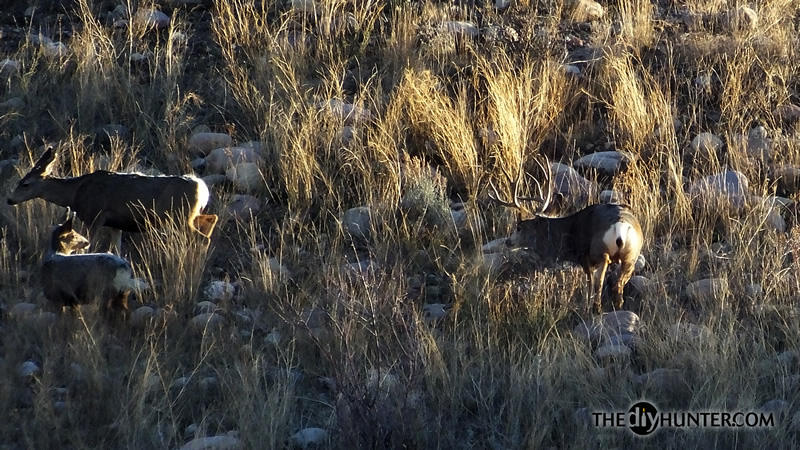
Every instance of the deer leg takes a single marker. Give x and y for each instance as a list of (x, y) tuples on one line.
[(625, 274), (597, 285)]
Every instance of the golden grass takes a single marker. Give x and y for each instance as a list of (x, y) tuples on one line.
[(321, 344)]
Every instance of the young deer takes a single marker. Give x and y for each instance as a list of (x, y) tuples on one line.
[(72, 280), (121, 201), (593, 238)]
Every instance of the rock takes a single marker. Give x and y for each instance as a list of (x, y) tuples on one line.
[(9, 68), (222, 442), (787, 179), (502, 4), (587, 11), (612, 352), (348, 113), (220, 291), (787, 113), (641, 263), (759, 146), (28, 369), (204, 142), (754, 290), (205, 307), (308, 437), (788, 360), (728, 189), (214, 179), (706, 146), (570, 188), (609, 196), (495, 246), (609, 324), (356, 222), (609, 163), (206, 321), (775, 220), (243, 207), (363, 267), (435, 311), (220, 160), (572, 70), (461, 28), (22, 309), (639, 284), (246, 177), (742, 18), (491, 263), (707, 289), (151, 18), (141, 316)]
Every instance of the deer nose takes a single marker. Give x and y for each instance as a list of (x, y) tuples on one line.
[(10, 202)]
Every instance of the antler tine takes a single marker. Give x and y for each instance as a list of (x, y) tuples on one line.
[(548, 180), (514, 184)]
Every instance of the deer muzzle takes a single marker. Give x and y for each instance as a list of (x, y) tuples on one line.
[(11, 202)]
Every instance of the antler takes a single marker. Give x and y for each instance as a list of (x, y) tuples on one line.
[(514, 183)]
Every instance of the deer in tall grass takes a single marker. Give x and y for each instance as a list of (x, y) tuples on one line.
[(121, 201), (592, 238), (71, 280)]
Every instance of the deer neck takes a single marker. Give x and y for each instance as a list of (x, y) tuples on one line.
[(61, 191)]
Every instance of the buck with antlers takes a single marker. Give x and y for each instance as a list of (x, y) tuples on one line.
[(593, 237), (121, 201)]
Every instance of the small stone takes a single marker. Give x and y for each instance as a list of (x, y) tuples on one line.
[(205, 307), (461, 28), (220, 291), (641, 263), (754, 290), (787, 113), (639, 284), (308, 437), (216, 179), (495, 246), (728, 189), (707, 289), (206, 321), (348, 113), (28, 369), (502, 4), (587, 11), (204, 142), (244, 207), (9, 68), (612, 352), (609, 162), (22, 309), (356, 222), (141, 316), (609, 196), (56, 50), (220, 160), (246, 177), (706, 145), (435, 311), (742, 18), (609, 324), (151, 18), (221, 442)]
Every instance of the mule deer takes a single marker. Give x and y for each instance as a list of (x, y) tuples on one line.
[(121, 201), (593, 237), (72, 280)]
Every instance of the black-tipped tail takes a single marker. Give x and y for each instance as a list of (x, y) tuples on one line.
[(620, 242)]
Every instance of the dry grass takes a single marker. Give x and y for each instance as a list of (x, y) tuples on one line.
[(311, 340)]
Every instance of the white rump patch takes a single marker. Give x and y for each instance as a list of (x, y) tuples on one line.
[(202, 192), (618, 231)]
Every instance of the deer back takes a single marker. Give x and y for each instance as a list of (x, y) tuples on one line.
[(127, 201)]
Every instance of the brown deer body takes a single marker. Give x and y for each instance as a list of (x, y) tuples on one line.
[(592, 238), (72, 280), (122, 201)]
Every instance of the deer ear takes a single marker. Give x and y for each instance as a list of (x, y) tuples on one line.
[(67, 225), (45, 164)]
